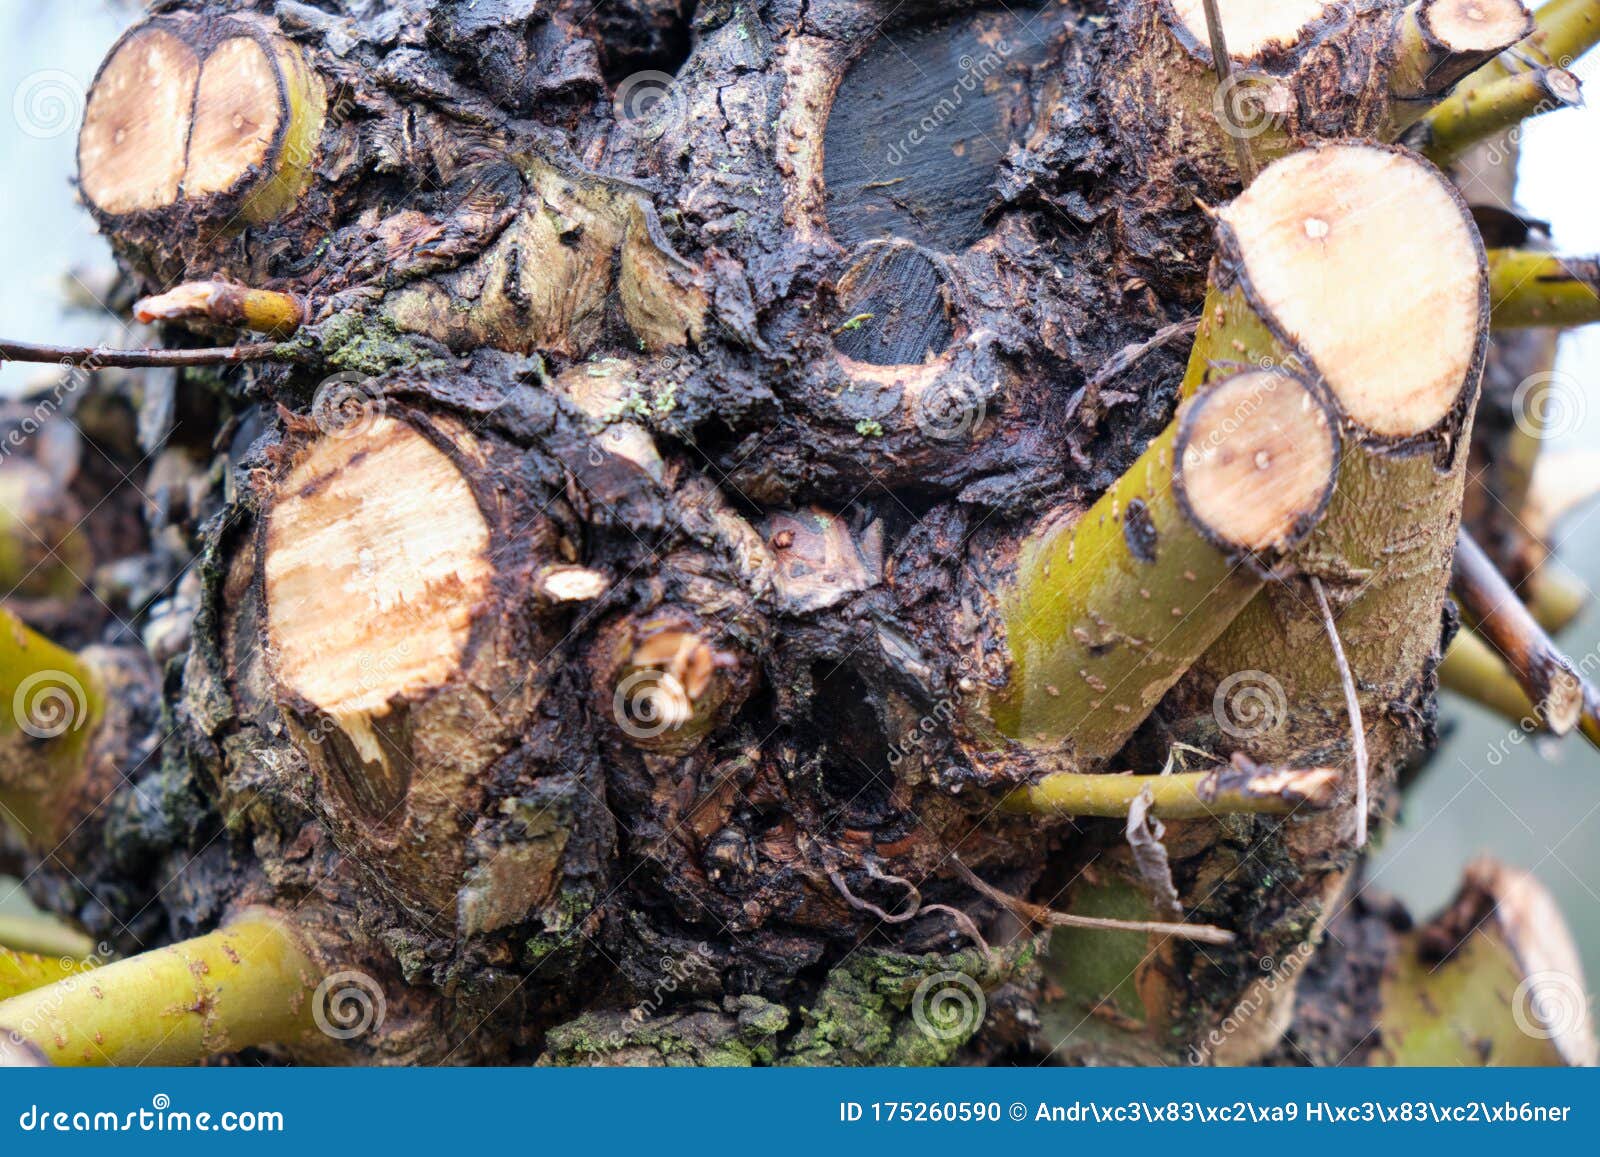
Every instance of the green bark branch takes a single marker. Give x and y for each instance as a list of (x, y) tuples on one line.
[(1556, 596), (25, 971), (1471, 669), (1384, 546), (44, 936), (1240, 788), (1489, 604), (1494, 980), (1563, 30), (1528, 288), (51, 706), (1474, 670), (249, 983), (1479, 114), (1439, 42), (1106, 612)]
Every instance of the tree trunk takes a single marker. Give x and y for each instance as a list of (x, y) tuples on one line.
[(833, 532)]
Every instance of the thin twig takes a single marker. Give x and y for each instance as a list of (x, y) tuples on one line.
[(98, 357), (1126, 358), (1239, 787), (1224, 66), (1050, 918), (1358, 737), (913, 896), (962, 921), (1488, 603)]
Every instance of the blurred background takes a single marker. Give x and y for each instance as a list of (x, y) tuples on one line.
[(1533, 803)]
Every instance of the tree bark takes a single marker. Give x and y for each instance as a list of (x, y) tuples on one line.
[(724, 499)]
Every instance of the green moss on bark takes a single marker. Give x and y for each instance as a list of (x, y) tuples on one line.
[(744, 1033), (886, 1008)]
